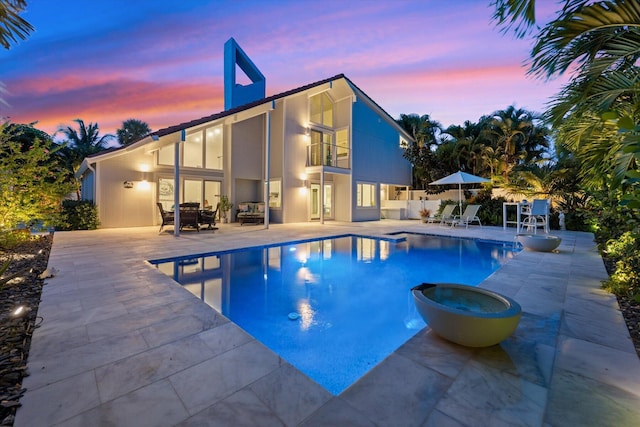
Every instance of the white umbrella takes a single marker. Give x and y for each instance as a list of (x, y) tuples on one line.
[(459, 178)]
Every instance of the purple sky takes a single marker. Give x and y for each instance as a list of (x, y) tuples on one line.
[(161, 61)]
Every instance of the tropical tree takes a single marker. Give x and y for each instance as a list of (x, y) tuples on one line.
[(81, 143), (131, 131), (597, 113), (421, 151), (517, 137), (31, 184), (12, 25), (12, 28)]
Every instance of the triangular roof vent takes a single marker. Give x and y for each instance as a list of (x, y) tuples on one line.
[(236, 94)]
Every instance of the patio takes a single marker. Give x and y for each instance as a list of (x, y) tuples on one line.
[(122, 344)]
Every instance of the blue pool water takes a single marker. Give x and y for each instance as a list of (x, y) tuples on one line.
[(334, 307)]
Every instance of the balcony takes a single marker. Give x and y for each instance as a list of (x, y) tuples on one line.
[(328, 155)]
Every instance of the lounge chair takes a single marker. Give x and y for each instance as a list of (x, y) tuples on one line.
[(445, 215), (167, 217), (189, 215), (537, 216), (469, 215)]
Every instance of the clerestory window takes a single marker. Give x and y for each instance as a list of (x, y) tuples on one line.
[(321, 109)]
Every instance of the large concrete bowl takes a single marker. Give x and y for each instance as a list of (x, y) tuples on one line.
[(539, 243), (467, 315)]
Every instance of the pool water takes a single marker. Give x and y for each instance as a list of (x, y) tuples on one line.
[(336, 307)]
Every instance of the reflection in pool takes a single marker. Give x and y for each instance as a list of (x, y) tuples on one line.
[(334, 307)]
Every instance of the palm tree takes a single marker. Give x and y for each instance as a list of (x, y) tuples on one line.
[(86, 140), (80, 144), (131, 131), (599, 44), (510, 129), (12, 26), (421, 153)]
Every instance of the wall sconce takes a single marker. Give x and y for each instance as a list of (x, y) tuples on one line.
[(305, 182), (307, 131), (127, 184)]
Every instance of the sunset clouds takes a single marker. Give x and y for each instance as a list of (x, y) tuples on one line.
[(161, 62)]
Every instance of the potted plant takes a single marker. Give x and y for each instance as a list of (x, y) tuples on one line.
[(424, 214), (225, 207)]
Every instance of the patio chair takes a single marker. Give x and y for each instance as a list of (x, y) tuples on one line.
[(469, 215), (445, 215), (189, 215), (207, 216), (537, 216), (167, 217)]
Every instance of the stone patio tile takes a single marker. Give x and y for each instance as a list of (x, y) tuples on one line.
[(219, 377), (337, 412), (605, 333), (73, 395), (438, 419), (73, 319), (242, 409), (125, 375), (224, 337), (607, 365), (179, 326), (156, 405), (429, 350), (164, 297), (482, 395), (51, 368), (575, 400), (129, 322), (54, 341), (413, 389), (290, 394)]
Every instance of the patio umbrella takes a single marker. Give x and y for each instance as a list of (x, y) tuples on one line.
[(459, 178)]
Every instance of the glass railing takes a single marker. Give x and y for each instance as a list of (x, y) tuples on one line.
[(328, 155)]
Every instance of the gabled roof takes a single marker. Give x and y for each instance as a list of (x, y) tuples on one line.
[(186, 125)]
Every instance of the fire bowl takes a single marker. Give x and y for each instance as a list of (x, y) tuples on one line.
[(539, 243), (467, 315)]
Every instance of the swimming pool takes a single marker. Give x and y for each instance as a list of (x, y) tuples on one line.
[(333, 307)]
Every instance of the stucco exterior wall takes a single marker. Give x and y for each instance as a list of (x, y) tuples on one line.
[(126, 207), (296, 115)]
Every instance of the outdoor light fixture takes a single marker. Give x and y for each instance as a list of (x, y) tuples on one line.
[(127, 184), (20, 311)]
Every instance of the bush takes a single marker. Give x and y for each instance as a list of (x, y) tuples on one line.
[(625, 251), (78, 215)]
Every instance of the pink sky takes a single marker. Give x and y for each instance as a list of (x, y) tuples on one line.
[(161, 62)]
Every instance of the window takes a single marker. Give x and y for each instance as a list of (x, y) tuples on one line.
[(192, 192), (321, 145), (213, 147), (366, 196), (275, 193), (342, 142), (166, 155), (192, 151), (200, 148), (321, 109)]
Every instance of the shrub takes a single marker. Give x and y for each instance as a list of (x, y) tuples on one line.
[(625, 251), (78, 215)]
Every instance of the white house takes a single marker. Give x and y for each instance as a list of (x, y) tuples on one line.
[(324, 151)]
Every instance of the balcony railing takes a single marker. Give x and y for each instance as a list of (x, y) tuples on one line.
[(328, 155)]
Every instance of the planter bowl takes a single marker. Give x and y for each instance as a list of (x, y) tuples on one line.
[(539, 243), (467, 315)]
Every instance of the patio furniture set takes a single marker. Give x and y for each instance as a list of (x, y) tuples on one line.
[(190, 216)]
